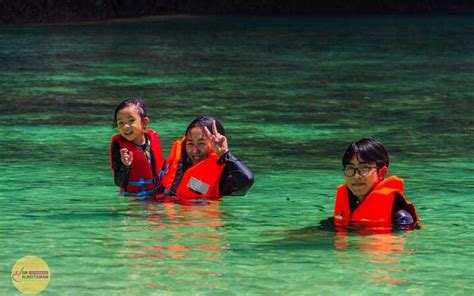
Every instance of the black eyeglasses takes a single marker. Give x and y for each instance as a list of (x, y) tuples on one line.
[(363, 170)]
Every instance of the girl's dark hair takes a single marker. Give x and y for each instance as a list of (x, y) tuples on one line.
[(129, 102), (206, 121), (367, 150)]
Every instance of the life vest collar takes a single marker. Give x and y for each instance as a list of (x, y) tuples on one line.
[(198, 181)]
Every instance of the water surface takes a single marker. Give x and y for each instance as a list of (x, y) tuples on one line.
[(292, 94)]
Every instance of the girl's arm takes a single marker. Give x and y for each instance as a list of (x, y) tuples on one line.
[(121, 171), (236, 178)]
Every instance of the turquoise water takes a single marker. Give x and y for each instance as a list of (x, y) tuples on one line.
[(292, 94)]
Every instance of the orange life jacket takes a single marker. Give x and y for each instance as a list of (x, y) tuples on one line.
[(143, 178), (201, 181), (375, 211)]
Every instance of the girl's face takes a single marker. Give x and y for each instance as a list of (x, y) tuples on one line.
[(359, 184), (130, 124), (197, 145)]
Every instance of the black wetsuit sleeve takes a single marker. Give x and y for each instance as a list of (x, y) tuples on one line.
[(120, 171), (401, 215), (236, 178)]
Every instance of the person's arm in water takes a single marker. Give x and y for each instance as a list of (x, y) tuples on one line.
[(236, 178), (121, 171)]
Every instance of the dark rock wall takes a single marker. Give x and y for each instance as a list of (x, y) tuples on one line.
[(50, 11)]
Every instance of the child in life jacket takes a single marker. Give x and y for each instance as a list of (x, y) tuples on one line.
[(366, 198), (201, 166), (136, 156)]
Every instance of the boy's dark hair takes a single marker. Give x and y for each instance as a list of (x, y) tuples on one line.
[(206, 121), (135, 101), (366, 150)]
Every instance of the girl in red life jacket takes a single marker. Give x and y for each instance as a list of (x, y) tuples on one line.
[(136, 156), (367, 199), (200, 165)]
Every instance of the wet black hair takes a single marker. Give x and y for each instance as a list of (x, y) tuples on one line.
[(206, 121), (132, 101), (366, 150)]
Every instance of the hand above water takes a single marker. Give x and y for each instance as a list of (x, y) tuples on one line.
[(218, 141), (126, 157)]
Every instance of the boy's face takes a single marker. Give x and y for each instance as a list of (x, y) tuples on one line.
[(359, 184), (130, 124)]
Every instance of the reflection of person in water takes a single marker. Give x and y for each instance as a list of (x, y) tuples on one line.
[(174, 238), (384, 252), (188, 229)]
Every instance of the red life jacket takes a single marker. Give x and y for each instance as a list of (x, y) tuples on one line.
[(201, 181), (142, 181), (375, 211)]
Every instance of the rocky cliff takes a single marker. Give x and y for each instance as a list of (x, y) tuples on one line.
[(50, 11)]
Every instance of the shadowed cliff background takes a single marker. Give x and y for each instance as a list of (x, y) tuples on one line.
[(51, 11)]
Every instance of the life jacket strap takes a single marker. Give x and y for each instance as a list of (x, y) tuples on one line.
[(142, 182), (141, 194)]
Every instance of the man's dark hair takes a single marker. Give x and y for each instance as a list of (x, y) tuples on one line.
[(367, 150)]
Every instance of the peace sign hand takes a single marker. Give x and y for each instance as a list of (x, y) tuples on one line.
[(126, 157), (218, 141)]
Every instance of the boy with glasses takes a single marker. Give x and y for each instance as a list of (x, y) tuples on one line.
[(367, 199)]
